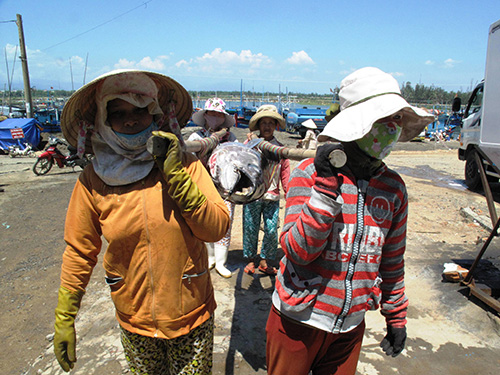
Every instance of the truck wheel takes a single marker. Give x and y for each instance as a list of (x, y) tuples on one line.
[(472, 176)]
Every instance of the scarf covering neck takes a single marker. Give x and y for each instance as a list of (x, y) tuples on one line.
[(360, 163), (115, 162)]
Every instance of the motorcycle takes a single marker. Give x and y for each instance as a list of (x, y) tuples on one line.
[(16, 150), (53, 155)]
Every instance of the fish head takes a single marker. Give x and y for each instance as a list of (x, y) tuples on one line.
[(238, 172)]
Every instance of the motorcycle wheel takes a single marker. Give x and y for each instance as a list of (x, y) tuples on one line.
[(42, 166)]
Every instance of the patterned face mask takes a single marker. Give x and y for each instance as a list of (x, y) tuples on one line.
[(132, 141), (381, 139), (214, 122)]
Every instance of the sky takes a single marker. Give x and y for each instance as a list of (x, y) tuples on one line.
[(262, 45)]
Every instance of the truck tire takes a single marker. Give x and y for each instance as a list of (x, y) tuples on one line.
[(472, 176)]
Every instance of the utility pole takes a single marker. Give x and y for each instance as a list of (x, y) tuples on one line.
[(26, 75)]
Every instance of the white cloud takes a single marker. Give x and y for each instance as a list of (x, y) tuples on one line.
[(450, 63), (181, 63), (300, 58), (226, 58), (146, 63), (429, 62), (76, 59), (149, 64), (125, 64)]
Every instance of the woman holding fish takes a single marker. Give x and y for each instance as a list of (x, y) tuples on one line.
[(155, 218), (214, 118), (344, 236), (266, 120)]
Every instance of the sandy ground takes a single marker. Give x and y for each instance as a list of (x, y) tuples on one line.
[(448, 331)]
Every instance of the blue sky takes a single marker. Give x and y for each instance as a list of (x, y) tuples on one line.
[(295, 46)]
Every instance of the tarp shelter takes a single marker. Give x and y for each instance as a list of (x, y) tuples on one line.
[(19, 131)]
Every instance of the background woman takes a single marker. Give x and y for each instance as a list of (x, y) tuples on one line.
[(214, 118), (266, 120)]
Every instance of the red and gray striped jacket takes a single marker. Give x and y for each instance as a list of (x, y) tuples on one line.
[(343, 256)]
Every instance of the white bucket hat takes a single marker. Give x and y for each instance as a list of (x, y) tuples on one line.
[(216, 105), (309, 124), (366, 96), (266, 110)]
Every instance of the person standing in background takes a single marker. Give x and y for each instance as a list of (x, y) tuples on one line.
[(266, 120), (213, 117), (310, 141)]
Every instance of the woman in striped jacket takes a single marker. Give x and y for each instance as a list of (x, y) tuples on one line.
[(344, 236)]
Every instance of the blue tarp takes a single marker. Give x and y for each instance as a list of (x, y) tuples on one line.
[(31, 130)]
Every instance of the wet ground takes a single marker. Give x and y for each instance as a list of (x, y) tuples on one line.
[(449, 332)]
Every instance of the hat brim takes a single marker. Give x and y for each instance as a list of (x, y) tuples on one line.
[(307, 124), (355, 122), (252, 124), (82, 107), (199, 119)]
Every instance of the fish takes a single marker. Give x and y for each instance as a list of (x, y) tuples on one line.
[(240, 172)]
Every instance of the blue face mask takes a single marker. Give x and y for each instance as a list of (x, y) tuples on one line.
[(138, 139)]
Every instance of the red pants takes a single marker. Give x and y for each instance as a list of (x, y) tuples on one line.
[(294, 348)]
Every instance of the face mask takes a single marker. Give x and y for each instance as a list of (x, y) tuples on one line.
[(133, 141), (380, 140), (214, 122)]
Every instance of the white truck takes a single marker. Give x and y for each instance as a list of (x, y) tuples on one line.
[(480, 133)]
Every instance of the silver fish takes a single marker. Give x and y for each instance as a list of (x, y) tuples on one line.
[(240, 173)]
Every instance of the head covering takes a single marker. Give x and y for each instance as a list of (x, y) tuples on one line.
[(309, 124), (116, 161), (366, 96), (266, 110), (216, 105), (79, 113)]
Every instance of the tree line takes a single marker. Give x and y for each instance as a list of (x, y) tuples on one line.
[(419, 94)]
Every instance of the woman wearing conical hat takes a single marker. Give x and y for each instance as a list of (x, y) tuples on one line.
[(155, 218)]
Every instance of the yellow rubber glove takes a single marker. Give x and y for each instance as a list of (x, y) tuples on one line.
[(65, 334), (182, 189)]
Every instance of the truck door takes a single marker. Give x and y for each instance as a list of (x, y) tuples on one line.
[(472, 115)]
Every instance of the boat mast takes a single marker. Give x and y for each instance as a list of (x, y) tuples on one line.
[(241, 93), (85, 72)]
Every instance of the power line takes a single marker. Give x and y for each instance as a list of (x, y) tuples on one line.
[(96, 27)]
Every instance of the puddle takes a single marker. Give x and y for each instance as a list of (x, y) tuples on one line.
[(432, 176)]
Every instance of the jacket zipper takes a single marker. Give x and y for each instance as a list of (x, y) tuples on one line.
[(352, 262), (150, 262)]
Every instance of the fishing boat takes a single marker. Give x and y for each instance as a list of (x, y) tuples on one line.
[(49, 118)]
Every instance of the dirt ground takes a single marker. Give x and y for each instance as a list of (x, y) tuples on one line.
[(448, 331)]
